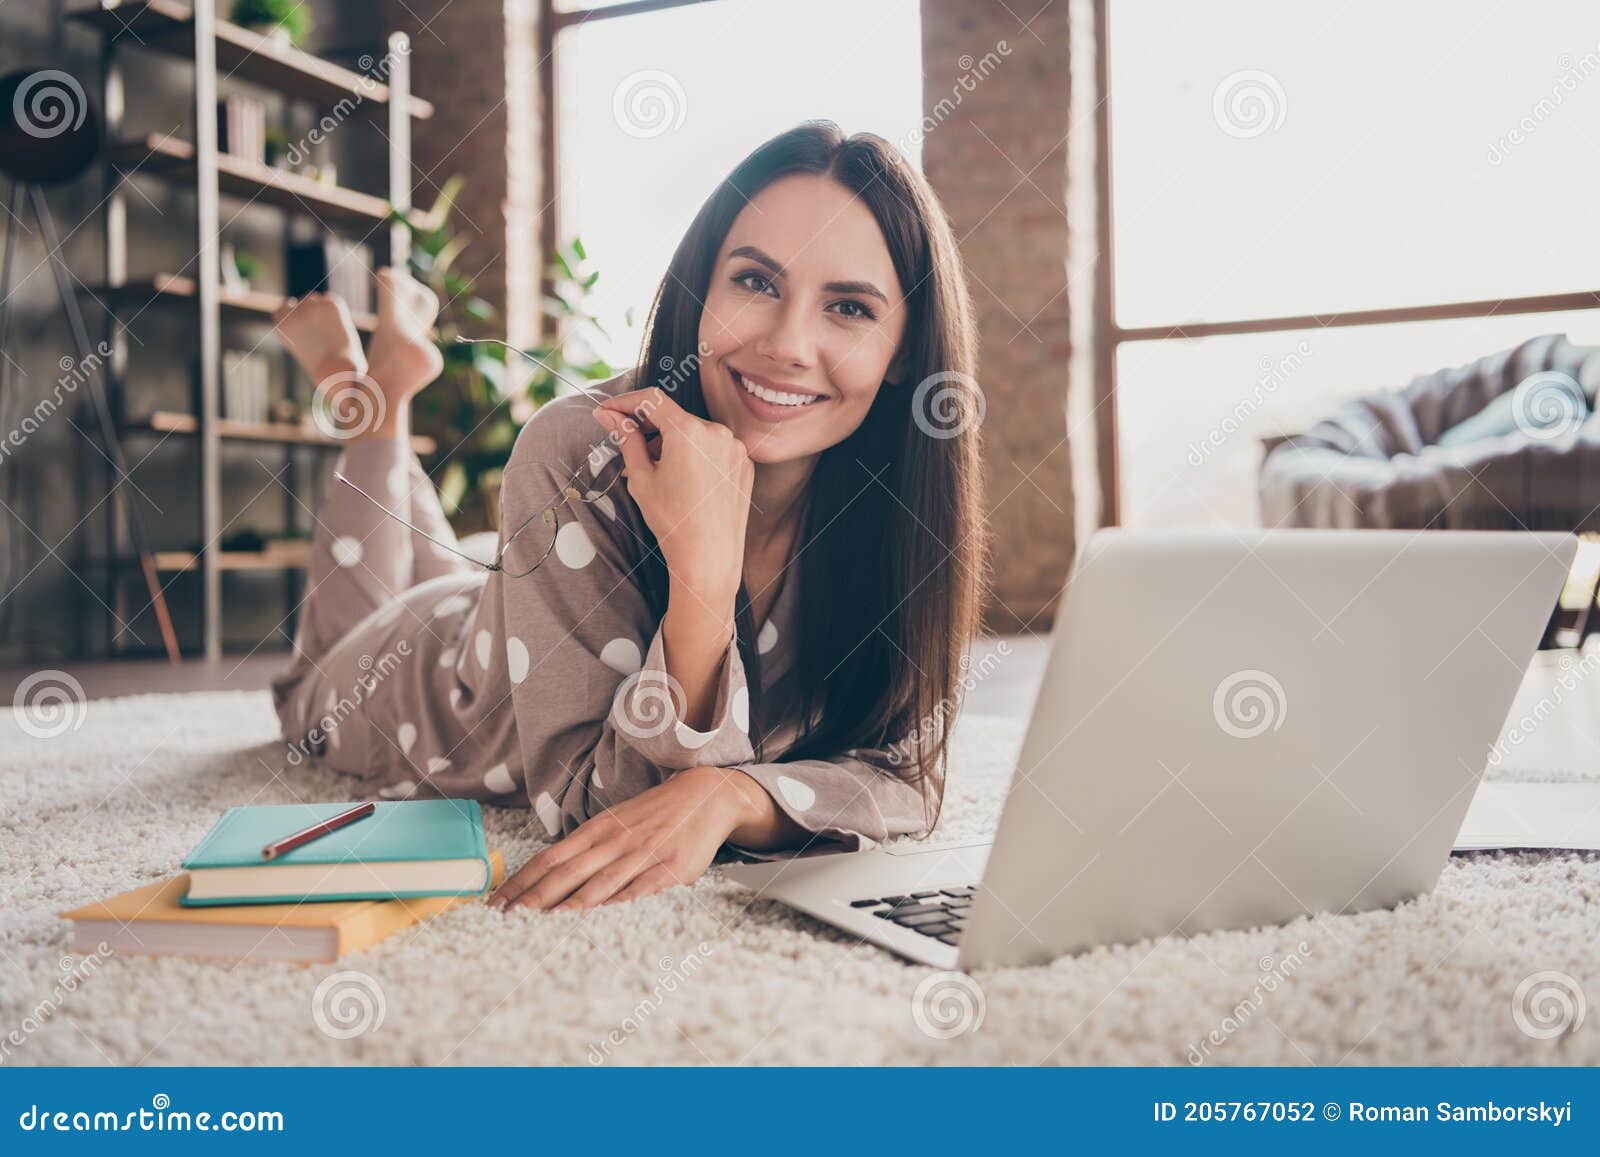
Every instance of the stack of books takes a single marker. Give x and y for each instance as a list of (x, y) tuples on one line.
[(242, 128), (245, 384), (340, 892)]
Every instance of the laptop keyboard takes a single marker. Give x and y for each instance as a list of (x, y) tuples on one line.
[(940, 913)]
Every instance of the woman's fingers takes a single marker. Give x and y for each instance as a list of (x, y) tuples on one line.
[(524, 878), (609, 880), (548, 860), (653, 407), (564, 879), (656, 879), (630, 439), (657, 839), (516, 883)]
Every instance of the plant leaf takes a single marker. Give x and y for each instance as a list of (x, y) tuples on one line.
[(442, 204), (493, 372), (448, 252)]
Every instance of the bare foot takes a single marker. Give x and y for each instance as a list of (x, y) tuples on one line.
[(318, 332), (404, 358)]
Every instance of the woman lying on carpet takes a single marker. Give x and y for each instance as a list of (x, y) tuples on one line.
[(731, 600)]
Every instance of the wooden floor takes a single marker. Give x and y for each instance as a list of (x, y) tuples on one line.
[(1004, 681), (108, 679)]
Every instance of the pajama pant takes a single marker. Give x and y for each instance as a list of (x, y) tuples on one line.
[(373, 689)]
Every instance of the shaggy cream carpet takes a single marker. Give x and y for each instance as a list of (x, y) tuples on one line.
[(701, 975)]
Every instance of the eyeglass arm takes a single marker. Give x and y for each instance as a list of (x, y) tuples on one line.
[(496, 565), (585, 390)]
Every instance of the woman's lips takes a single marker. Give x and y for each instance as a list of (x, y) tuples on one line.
[(771, 411)]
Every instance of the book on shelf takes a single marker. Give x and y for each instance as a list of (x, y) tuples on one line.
[(333, 265), (245, 385), (242, 128)]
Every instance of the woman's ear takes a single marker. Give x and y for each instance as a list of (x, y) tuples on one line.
[(895, 374)]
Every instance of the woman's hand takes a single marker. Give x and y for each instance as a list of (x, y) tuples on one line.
[(696, 496), (660, 838)]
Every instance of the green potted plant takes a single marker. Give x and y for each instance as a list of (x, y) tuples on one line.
[(486, 393), (248, 266), (287, 21), (275, 148)]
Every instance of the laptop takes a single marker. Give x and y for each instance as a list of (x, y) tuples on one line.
[(1233, 729)]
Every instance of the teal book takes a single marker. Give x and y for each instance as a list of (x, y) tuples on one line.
[(403, 849)]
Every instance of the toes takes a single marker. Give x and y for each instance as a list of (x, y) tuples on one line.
[(398, 281)]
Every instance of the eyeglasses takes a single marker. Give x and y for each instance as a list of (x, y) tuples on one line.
[(525, 548)]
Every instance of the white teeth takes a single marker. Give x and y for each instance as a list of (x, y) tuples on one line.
[(776, 397)]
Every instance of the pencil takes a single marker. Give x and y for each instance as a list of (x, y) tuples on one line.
[(305, 835)]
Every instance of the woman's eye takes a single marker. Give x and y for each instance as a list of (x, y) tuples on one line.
[(853, 309), (753, 282)]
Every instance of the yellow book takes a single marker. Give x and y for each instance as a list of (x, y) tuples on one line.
[(151, 921)]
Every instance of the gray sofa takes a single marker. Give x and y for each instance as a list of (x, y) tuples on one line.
[(1507, 442)]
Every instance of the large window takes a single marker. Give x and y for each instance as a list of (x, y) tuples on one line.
[(654, 107), (1272, 160)]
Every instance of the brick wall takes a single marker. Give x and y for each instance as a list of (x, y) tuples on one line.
[(995, 95), (478, 63)]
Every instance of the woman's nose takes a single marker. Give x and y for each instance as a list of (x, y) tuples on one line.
[(790, 341)]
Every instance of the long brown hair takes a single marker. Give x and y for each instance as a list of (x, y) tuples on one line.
[(892, 553)]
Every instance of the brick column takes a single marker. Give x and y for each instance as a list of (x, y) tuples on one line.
[(994, 147), (478, 63)]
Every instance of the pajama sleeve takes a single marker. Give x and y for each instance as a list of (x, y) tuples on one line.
[(848, 803), (596, 721)]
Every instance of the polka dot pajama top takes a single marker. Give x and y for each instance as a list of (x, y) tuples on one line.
[(426, 675)]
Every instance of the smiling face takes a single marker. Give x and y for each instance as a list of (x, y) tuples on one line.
[(802, 320)]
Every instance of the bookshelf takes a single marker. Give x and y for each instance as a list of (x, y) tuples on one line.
[(173, 289), (173, 159), (170, 27), (282, 433), (192, 38)]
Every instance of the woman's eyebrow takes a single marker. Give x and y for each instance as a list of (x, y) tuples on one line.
[(757, 256), (865, 288)]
